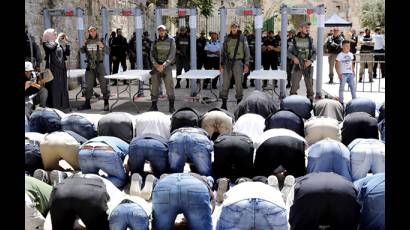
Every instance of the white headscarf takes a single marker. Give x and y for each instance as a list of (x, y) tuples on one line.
[(49, 35)]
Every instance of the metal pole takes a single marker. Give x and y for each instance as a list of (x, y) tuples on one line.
[(192, 25), (223, 13), (138, 33), (158, 20), (104, 14), (181, 22), (80, 28), (283, 47), (46, 19), (258, 45), (319, 57)]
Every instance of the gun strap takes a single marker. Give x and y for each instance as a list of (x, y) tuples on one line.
[(236, 48)]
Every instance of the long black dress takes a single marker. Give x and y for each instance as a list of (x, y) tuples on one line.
[(55, 58)]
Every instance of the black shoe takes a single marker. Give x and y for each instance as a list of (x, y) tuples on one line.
[(154, 106), (171, 106), (330, 82), (114, 83), (126, 82), (106, 105), (371, 80), (204, 86), (288, 86), (187, 84), (224, 105), (252, 83), (244, 86), (178, 85), (238, 101), (214, 87), (360, 80), (85, 106)]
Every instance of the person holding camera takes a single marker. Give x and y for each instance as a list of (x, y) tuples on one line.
[(35, 92), (162, 54), (95, 50), (57, 48)]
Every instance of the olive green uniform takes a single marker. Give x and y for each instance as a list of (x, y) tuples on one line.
[(304, 50), (234, 67), (162, 52), (95, 67)]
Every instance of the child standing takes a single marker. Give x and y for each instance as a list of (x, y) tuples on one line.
[(345, 70)]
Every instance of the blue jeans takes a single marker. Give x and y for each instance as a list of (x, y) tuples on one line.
[(329, 156), (349, 78), (26, 126), (129, 215), (44, 122), (381, 126), (252, 213), (80, 125), (372, 198), (366, 155), (181, 193), (91, 161), (33, 157), (192, 144), (153, 150)]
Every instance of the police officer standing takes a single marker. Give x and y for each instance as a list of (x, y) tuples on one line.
[(234, 62), (132, 49), (289, 64), (162, 55), (270, 51), (95, 50), (334, 46), (146, 46), (212, 50), (182, 60), (251, 43), (119, 53), (303, 53)]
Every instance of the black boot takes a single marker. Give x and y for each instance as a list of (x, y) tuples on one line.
[(86, 105), (171, 105), (224, 104), (187, 83), (178, 85), (238, 100), (106, 105), (244, 82), (252, 82), (153, 106), (114, 83)]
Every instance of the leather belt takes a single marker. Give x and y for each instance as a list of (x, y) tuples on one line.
[(103, 148)]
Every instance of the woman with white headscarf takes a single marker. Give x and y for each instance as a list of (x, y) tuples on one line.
[(57, 49)]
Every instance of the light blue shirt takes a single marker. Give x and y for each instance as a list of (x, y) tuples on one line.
[(213, 46)]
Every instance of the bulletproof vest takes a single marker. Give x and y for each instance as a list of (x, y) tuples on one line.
[(231, 48), (183, 45), (367, 47), (162, 48), (94, 54), (336, 40), (302, 45)]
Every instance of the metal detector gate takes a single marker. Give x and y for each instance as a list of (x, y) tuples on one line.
[(181, 12), (320, 11), (255, 12), (68, 12)]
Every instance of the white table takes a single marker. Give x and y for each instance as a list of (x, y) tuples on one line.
[(141, 75), (201, 75), (268, 75)]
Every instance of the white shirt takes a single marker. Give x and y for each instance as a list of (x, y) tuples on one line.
[(248, 190), (378, 42), (251, 125), (213, 46), (153, 122), (346, 62), (276, 133)]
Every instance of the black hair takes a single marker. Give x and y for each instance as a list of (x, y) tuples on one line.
[(345, 41)]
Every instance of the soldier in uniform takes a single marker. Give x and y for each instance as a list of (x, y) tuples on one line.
[(95, 50), (251, 43), (162, 55), (289, 64), (303, 53), (132, 46), (234, 62), (146, 46), (334, 46), (271, 51), (182, 58)]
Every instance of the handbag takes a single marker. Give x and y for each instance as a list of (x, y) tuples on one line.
[(47, 75)]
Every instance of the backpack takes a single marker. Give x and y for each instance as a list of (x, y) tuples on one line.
[(184, 117)]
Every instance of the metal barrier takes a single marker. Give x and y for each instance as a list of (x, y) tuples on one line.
[(374, 86)]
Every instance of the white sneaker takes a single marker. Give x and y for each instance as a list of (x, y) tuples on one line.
[(273, 181), (287, 186), (150, 182), (136, 183)]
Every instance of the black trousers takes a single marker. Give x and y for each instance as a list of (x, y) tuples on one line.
[(324, 199), (83, 197), (245, 76), (233, 156), (116, 65), (378, 58), (284, 151), (212, 63)]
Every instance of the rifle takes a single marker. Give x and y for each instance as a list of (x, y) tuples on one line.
[(306, 70)]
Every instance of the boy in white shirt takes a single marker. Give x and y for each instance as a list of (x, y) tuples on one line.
[(345, 70)]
